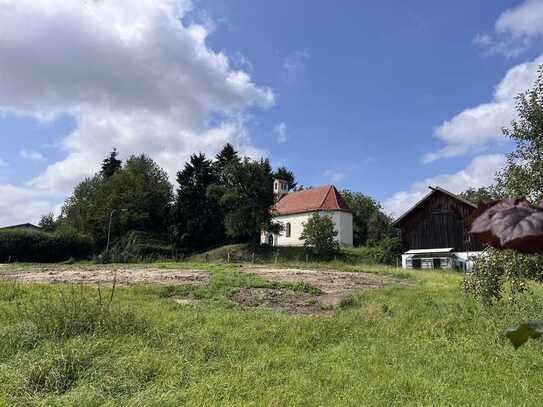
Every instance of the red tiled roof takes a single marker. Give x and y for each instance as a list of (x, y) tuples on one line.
[(325, 198)]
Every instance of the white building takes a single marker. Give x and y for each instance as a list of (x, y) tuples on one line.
[(293, 209)]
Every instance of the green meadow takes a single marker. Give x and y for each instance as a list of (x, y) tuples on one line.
[(425, 344)]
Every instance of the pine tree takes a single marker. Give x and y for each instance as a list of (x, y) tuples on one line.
[(197, 213), (111, 164), (227, 156)]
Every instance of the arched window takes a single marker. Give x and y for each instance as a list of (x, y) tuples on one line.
[(287, 230)]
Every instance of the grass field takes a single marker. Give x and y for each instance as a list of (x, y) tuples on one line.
[(426, 344)]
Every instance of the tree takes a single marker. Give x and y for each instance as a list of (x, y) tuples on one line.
[(246, 198), (197, 213), (48, 223), (482, 194), (379, 228), (111, 164), (286, 175), (523, 175), (320, 235), (141, 187), (226, 156), (363, 208)]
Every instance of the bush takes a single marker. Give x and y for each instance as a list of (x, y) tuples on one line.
[(387, 251), (500, 271), (36, 246), (319, 235)]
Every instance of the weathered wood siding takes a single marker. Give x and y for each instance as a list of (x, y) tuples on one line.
[(441, 221)]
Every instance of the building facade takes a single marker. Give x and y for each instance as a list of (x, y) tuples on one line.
[(435, 233), (293, 209)]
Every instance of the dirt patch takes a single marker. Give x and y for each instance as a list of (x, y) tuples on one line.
[(293, 302), (106, 275), (334, 284)]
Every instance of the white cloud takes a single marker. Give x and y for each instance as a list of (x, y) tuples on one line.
[(294, 65), (21, 205), (280, 131), (525, 20), (335, 175), (478, 127), (479, 173), (514, 30), (31, 155), (131, 73)]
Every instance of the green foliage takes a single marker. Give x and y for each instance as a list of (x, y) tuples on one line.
[(198, 215), (497, 272), (48, 223), (285, 174), (482, 194), (246, 198), (320, 236), (137, 247), (379, 229), (36, 246), (523, 175), (387, 250), (370, 224), (111, 164), (141, 187)]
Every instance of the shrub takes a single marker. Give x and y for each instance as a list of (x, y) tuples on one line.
[(36, 246), (319, 234), (500, 271)]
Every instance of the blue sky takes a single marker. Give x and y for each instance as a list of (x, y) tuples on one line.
[(379, 97)]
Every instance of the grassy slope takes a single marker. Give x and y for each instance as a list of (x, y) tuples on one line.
[(245, 252), (422, 345)]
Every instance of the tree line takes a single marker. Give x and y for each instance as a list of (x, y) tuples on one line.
[(218, 200)]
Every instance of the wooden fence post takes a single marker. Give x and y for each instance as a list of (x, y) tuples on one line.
[(253, 258), (228, 260), (307, 258), (207, 258)]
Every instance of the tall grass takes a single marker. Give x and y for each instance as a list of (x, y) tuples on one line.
[(423, 345)]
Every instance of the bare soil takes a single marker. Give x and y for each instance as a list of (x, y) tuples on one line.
[(334, 284), (293, 302), (106, 275)]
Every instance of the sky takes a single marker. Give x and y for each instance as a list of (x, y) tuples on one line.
[(384, 98)]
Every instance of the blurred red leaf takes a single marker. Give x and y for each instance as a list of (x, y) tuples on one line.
[(510, 224)]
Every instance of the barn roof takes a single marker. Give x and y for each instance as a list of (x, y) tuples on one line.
[(432, 192), (21, 226), (326, 198)]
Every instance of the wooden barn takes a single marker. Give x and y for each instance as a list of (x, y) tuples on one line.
[(435, 232)]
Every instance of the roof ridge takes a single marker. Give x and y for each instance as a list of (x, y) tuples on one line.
[(326, 195)]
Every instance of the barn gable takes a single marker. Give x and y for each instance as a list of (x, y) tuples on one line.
[(439, 220)]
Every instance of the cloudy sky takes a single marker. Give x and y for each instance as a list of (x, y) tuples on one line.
[(382, 97)]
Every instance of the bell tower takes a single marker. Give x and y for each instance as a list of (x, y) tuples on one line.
[(280, 188)]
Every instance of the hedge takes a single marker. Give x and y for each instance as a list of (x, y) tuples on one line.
[(36, 246)]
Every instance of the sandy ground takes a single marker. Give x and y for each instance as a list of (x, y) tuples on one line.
[(334, 284), (106, 275)]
